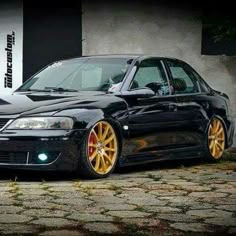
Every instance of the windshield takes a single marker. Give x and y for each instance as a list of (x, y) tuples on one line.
[(83, 74)]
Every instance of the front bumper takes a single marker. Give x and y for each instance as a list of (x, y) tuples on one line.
[(20, 149)]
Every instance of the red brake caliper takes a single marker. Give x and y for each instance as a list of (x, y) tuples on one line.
[(91, 142)]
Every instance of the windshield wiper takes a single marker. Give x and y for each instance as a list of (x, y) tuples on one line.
[(31, 90), (59, 89)]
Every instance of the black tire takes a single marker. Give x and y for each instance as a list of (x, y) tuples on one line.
[(214, 136), (85, 168)]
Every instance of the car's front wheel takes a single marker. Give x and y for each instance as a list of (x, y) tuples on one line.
[(99, 151), (216, 140)]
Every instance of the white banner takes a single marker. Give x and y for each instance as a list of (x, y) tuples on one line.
[(11, 46)]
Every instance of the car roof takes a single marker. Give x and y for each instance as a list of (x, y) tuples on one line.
[(128, 56)]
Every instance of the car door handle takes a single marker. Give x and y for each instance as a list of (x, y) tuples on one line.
[(172, 107)]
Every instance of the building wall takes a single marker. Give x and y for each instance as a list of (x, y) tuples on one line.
[(136, 27), (52, 32)]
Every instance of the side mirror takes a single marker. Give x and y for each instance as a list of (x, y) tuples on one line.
[(139, 93)]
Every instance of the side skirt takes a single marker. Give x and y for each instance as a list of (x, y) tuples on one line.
[(162, 155)]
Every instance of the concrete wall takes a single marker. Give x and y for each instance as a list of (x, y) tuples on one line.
[(159, 29)]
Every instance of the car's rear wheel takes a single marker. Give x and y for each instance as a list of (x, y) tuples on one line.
[(99, 151), (216, 140)]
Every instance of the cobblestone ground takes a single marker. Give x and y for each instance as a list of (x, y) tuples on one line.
[(174, 199)]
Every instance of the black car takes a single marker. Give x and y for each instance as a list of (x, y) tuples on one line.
[(92, 113)]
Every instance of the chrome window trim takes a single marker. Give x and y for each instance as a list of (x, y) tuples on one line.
[(167, 77)]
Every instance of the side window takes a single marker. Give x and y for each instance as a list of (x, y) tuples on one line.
[(152, 75), (183, 78), (203, 85)]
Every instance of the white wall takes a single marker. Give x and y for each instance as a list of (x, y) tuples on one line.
[(11, 22), (110, 27)]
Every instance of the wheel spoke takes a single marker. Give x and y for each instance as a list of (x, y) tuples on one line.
[(98, 160), (91, 158), (214, 150), (92, 145), (109, 149), (214, 125), (211, 128), (219, 146), (107, 158), (105, 132), (211, 144), (103, 164), (217, 126), (95, 135), (100, 130), (109, 139), (220, 131), (211, 137), (220, 139)]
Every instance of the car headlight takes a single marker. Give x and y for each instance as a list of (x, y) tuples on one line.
[(42, 123)]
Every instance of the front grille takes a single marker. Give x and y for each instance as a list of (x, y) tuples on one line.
[(13, 157), (3, 122)]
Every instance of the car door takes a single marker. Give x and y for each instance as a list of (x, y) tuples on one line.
[(151, 120), (191, 104)]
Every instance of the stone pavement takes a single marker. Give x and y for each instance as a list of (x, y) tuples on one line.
[(174, 199)]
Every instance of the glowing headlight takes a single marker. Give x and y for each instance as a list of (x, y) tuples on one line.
[(42, 123)]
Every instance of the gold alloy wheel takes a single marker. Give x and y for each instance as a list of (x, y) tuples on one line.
[(102, 147), (216, 138)]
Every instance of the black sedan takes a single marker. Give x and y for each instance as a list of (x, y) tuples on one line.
[(92, 113)]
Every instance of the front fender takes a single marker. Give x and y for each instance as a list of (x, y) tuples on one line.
[(84, 118)]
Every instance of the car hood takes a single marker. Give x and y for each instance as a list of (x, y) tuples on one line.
[(39, 103)]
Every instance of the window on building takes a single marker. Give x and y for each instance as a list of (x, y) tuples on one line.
[(218, 32)]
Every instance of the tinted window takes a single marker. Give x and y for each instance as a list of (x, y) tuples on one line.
[(152, 75), (203, 85), (98, 74), (183, 78)]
